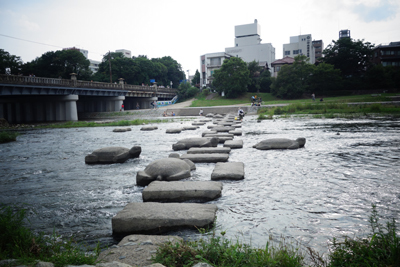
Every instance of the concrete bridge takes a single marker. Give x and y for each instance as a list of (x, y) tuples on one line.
[(38, 99)]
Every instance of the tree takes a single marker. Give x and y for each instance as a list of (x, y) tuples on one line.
[(254, 74), (196, 79), (324, 78), (60, 63), (265, 81), (350, 56), (293, 80), (174, 70), (11, 62), (232, 78)]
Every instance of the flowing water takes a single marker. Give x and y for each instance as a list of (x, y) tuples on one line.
[(311, 194)]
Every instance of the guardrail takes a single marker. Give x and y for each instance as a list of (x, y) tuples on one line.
[(28, 80)]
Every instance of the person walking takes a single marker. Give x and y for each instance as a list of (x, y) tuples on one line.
[(313, 97)]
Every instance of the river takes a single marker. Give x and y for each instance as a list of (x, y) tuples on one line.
[(309, 195)]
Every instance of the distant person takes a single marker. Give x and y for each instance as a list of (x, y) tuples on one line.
[(321, 99), (122, 107), (313, 97), (173, 113), (240, 114), (201, 112), (137, 106), (165, 114)]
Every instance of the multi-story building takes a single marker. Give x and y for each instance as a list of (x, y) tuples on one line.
[(208, 64), (277, 64), (248, 47), (94, 65), (300, 45), (318, 48), (127, 53), (387, 55), (344, 34)]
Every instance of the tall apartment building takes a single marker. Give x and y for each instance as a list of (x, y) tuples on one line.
[(300, 45), (318, 46), (248, 47)]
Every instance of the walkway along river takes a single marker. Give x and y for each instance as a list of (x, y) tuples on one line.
[(310, 194)]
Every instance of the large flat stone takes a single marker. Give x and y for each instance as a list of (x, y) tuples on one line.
[(228, 171), (157, 218), (134, 250), (209, 150), (234, 144), (222, 128), (236, 132), (159, 191), (206, 158)]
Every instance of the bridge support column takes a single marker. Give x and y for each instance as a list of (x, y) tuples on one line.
[(71, 112)]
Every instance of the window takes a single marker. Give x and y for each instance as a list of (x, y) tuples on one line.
[(203, 62), (278, 68), (287, 53), (295, 52)]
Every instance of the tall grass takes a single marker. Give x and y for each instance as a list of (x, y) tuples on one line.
[(6, 136), (17, 241), (221, 252)]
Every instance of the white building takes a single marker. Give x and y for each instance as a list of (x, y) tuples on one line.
[(94, 65), (300, 45), (248, 47), (127, 53)]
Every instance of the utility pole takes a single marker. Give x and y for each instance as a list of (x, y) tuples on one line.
[(109, 63)]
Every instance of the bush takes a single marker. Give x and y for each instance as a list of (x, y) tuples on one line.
[(19, 242), (8, 137)]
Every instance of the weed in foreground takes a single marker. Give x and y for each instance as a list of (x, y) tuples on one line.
[(220, 252), (6, 136), (19, 242)]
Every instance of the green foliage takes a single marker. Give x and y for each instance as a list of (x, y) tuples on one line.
[(6, 136), (380, 248), (59, 64), (232, 78), (324, 78), (196, 79), (293, 80), (19, 242), (139, 70), (11, 62), (186, 91), (219, 251), (351, 57)]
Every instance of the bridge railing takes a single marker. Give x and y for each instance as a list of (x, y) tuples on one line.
[(28, 80)]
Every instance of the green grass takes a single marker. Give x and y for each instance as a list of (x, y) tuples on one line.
[(6, 136), (76, 124), (221, 252), (17, 241), (269, 99), (330, 110)]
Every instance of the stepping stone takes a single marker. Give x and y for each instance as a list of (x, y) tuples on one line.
[(225, 123), (219, 135), (208, 132), (206, 158), (237, 126), (185, 128), (209, 150), (234, 144), (222, 128), (156, 218), (159, 191), (228, 171), (222, 140), (195, 142), (207, 120), (198, 123), (236, 132), (121, 130), (174, 131), (148, 128)]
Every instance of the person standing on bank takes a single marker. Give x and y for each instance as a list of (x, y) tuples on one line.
[(122, 107)]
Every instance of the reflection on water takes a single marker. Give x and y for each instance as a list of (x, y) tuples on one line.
[(311, 194)]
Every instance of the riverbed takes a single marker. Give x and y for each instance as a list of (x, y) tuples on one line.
[(309, 195)]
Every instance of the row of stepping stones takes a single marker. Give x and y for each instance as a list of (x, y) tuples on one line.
[(160, 211)]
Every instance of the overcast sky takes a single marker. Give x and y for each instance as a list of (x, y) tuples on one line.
[(183, 29)]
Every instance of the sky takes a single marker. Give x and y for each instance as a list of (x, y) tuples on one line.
[(185, 29)]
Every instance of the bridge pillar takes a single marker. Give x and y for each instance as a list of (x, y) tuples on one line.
[(71, 112)]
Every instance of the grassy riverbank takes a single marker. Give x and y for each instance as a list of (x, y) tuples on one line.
[(19, 242), (78, 124), (268, 99), (330, 110), (6, 136)]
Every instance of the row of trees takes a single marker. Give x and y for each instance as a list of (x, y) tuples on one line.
[(345, 67), (136, 70)]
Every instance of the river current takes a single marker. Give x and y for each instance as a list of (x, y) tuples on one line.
[(311, 194)]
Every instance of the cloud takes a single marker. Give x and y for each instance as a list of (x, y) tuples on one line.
[(20, 20), (381, 11), (26, 24)]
